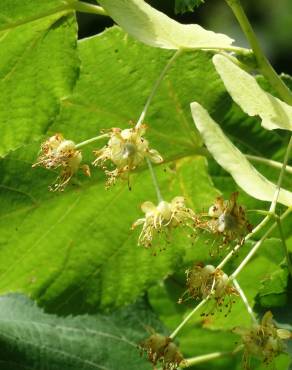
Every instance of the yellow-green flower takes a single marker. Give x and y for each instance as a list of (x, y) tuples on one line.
[(205, 280), (227, 220), (162, 218), (161, 349), (56, 152), (264, 341), (126, 150)]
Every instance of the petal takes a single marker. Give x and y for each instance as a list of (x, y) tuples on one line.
[(148, 207), (154, 156)]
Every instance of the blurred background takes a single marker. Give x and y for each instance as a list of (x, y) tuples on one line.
[(271, 19)]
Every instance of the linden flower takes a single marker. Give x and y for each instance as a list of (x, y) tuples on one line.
[(203, 280), (228, 220), (162, 218), (57, 152), (161, 349), (126, 149), (263, 340)]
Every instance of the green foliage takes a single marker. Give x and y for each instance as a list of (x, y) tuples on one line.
[(74, 252), (32, 84), (83, 245), (87, 342), (246, 92), (183, 6)]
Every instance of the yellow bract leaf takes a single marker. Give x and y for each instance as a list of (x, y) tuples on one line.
[(154, 28)]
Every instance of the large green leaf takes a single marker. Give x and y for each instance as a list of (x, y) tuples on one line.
[(38, 67), (155, 28), (75, 247), (32, 339)]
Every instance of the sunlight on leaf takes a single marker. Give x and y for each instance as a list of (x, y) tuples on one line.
[(233, 161), (253, 100), (154, 28)]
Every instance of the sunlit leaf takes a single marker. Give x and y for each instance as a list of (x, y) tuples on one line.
[(154, 28), (233, 161), (254, 101)]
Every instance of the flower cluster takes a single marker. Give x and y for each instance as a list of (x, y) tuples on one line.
[(162, 218), (56, 152), (227, 219), (263, 341), (126, 150), (160, 348), (203, 281)]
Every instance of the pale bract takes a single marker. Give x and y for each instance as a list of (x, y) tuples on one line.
[(233, 161), (154, 28), (162, 218), (126, 150), (252, 99)]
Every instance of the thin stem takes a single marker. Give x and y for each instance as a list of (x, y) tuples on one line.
[(288, 259), (281, 176), (89, 8), (264, 65), (67, 6), (245, 301), (257, 245), (155, 87), (89, 141), (154, 180), (205, 358), (268, 162), (261, 225), (188, 317)]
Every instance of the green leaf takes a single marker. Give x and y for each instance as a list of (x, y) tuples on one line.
[(233, 161), (75, 247), (32, 84), (14, 14), (183, 6), (254, 101), (32, 339), (155, 28), (273, 292)]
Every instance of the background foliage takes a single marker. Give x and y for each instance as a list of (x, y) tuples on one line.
[(74, 253)]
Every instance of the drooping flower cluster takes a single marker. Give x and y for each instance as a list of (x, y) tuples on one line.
[(162, 218), (205, 280), (161, 349), (126, 150), (263, 341), (57, 152), (227, 219)]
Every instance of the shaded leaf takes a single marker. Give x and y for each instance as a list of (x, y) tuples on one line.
[(32, 339), (183, 6)]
